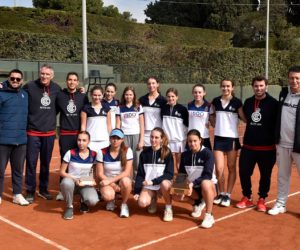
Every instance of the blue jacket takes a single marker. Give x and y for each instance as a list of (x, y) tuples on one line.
[(13, 116)]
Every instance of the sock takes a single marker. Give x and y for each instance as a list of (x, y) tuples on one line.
[(222, 193), (228, 194), (168, 207)]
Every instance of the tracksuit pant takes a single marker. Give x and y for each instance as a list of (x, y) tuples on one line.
[(16, 155), (285, 158), (265, 161), (88, 194), (43, 146)]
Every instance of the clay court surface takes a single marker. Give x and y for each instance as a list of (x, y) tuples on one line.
[(41, 226)]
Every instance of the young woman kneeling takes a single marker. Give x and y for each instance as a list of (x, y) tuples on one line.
[(155, 173), (198, 164), (79, 162), (114, 167)]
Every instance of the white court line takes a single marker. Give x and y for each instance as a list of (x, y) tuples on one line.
[(196, 227), (38, 236)]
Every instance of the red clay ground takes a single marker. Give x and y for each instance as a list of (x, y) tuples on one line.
[(105, 230)]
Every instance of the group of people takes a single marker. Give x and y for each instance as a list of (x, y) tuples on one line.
[(138, 145)]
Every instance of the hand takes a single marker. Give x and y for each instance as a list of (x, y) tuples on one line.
[(1, 85), (140, 146), (190, 189), (147, 183), (136, 197), (105, 182), (115, 187), (77, 182), (82, 90)]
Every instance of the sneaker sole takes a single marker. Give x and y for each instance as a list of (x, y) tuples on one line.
[(261, 210), (208, 227), (23, 205), (281, 212), (68, 218)]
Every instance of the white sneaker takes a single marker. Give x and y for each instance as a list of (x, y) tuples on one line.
[(20, 200), (110, 206), (168, 215), (153, 205), (197, 210), (225, 201), (124, 211), (277, 209), (59, 196), (208, 221)]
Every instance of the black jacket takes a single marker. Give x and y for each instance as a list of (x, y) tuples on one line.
[(282, 96)]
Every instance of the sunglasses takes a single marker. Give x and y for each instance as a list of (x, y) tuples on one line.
[(15, 79)]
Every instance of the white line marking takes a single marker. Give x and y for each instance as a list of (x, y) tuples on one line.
[(38, 236), (196, 227)]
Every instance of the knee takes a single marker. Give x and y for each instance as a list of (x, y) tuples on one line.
[(108, 195), (67, 183), (165, 185), (126, 182), (143, 202), (91, 201)]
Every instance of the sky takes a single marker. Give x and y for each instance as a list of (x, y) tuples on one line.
[(135, 7)]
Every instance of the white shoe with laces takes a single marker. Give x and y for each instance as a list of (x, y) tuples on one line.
[(197, 209), (124, 211), (110, 206), (20, 200), (208, 221), (59, 196), (277, 209), (168, 215)]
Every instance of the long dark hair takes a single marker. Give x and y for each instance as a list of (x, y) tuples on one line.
[(134, 101), (165, 151)]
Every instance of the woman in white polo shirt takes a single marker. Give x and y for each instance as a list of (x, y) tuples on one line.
[(114, 167)]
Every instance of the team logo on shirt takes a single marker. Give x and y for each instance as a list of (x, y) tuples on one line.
[(231, 108), (197, 113), (71, 107), (160, 160), (177, 113), (129, 115), (45, 101), (256, 116)]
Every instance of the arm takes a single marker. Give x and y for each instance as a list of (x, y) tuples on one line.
[(242, 114), (140, 177), (142, 132), (108, 122), (118, 121), (212, 116), (64, 174), (83, 119)]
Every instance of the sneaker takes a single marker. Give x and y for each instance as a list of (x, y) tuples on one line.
[(68, 215), (59, 196), (45, 195), (83, 207), (153, 205), (124, 211), (110, 206), (218, 199), (197, 210), (225, 201), (168, 215), (208, 221), (277, 209), (245, 203), (20, 200), (30, 197), (261, 207)]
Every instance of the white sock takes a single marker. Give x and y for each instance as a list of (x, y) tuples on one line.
[(222, 193), (168, 207)]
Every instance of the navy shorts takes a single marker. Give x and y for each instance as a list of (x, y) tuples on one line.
[(226, 144)]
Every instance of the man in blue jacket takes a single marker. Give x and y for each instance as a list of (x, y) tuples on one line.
[(13, 138)]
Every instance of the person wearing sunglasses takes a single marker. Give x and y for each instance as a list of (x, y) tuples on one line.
[(13, 138)]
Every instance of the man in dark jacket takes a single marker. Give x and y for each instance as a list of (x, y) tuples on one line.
[(287, 137), (13, 138), (41, 130)]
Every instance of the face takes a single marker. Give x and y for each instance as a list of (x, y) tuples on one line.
[(194, 143), (115, 141), (46, 75), (72, 83), (172, 98), (198, 93), (15, 80), (226, 88), (294, 82), (97, 96), (259, 88), (129, 96), (152, 85), (83, 141), (110, 93), (155, 139)]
